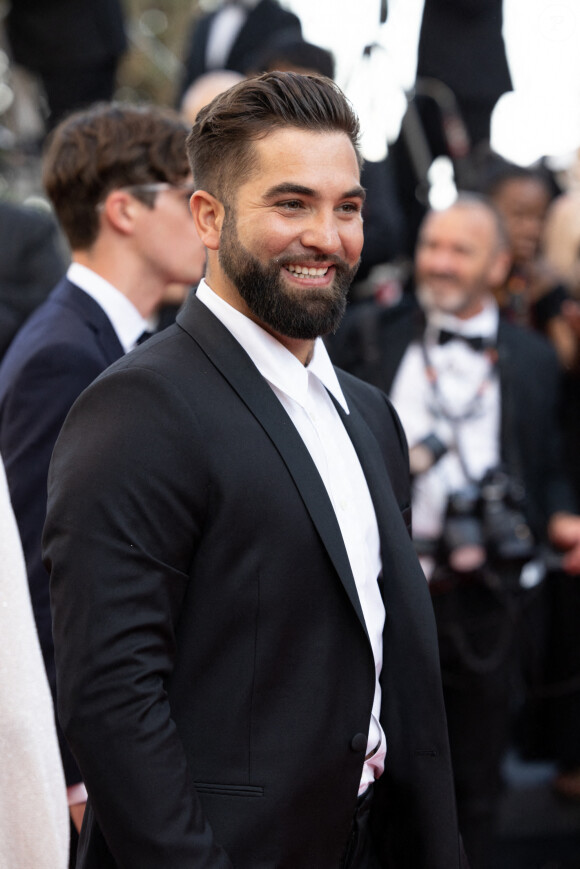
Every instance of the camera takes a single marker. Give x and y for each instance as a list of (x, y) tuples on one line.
[(485, 521), (507, 533)]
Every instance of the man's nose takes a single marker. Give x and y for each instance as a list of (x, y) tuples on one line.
[(322, 233), (442, 261)]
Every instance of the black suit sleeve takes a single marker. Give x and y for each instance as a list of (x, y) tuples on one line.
[(121, 545), (33, 411)]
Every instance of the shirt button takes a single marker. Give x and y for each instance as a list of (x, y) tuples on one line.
[(358, 742)]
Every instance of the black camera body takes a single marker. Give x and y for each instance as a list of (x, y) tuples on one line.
[(489, 514)]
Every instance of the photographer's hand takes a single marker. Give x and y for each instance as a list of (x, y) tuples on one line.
[(564, 534)]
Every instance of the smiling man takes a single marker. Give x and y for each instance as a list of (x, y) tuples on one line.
[(227, 532)]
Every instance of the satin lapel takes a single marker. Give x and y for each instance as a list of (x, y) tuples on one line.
[(236, 366), (396, 547)]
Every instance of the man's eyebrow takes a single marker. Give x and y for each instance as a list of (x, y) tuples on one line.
[(356, 193), (287, 188)]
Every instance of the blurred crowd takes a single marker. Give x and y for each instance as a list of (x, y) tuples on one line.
[(468, 316)]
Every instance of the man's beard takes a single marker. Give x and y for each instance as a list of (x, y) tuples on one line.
[(453, 301), (296, 313)]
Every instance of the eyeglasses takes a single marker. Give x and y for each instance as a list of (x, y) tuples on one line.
[(186, 189), (159, 186)]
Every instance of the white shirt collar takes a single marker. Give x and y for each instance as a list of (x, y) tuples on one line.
[(274, 362), (124, 316), (485, 323)]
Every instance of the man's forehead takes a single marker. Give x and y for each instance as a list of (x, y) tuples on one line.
[(291, 160), (462, 222), (298, 143), (516, 188)]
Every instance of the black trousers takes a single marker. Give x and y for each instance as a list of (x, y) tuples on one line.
[(359, 852), (478, 628)]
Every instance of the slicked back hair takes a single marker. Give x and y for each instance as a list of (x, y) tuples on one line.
[(104, 148), (220, 145)]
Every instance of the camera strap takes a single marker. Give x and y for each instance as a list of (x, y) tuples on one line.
[(454, 420)]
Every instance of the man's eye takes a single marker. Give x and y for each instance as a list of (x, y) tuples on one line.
[(350, 207), (290, 204)]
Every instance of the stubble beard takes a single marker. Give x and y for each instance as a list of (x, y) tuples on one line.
[(303, 314), (453, 302)]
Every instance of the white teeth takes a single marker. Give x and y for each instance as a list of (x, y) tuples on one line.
[(310, 272)]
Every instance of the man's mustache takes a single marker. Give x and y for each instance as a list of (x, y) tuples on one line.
[(440, 276)]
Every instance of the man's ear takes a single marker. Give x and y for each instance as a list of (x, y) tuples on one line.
[(208, 214), (500, 268), (120, 209)]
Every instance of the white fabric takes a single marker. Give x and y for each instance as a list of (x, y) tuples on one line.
[(460, 372), (125, 319), (224, 31), (76, 794), (34, 820), (302, 392)]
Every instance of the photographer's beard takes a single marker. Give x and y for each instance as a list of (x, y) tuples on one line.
[(446, 295), (303, 314)]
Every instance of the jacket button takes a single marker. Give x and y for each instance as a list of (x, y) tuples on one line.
[(358, 742)]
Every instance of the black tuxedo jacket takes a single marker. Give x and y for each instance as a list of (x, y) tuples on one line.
[(214, 671), (61, 348), (264, 22), (371, 344)]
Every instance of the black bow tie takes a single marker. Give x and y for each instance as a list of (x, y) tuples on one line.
[(476, 342)]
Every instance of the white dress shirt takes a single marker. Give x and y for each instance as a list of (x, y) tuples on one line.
[(302, 391), (469, 387), (125, 319)]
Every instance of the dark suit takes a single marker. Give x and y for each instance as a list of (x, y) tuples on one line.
[(62, 347), (264, 22), (214, 671)]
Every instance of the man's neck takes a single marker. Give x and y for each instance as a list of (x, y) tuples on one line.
[(126, 275)]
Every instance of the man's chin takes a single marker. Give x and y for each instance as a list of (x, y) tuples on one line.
[(447, 301), (312, 318)]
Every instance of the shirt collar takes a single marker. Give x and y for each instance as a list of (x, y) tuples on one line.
[(124, 316), (274, 361), (485, 323)]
